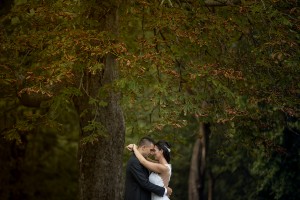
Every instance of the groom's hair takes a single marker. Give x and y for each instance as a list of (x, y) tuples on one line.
[(145, 141)]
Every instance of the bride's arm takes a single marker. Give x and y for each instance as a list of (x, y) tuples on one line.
[(155, 167)]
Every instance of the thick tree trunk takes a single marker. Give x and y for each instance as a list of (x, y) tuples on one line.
[(100, 161)]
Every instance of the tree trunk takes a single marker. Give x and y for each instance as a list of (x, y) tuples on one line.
[(12, 156), (204, 134), (100, 161), (198, 164), (210, 186), (194, 172)]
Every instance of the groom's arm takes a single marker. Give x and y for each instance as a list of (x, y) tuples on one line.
[(143, 180)]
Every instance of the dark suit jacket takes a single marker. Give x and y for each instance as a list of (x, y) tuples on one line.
[(137, 185)]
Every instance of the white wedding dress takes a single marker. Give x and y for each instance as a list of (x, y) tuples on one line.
[(157, 180)]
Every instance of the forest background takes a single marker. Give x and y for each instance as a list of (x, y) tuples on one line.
[(218, 79)]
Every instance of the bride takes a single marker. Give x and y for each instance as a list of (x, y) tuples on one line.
[(160, 171)]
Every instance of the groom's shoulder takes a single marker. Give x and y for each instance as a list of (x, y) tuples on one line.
[(133, 159)]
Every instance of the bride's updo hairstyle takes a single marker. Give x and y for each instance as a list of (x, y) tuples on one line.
[(165, 146)]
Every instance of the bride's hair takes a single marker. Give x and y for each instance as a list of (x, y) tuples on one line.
[(165, 146)]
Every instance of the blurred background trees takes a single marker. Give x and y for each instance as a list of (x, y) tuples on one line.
[(219, 80)]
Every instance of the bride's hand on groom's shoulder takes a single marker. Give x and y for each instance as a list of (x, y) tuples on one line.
[(130, 147), (169, 191)]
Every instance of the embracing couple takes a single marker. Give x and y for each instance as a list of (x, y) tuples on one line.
[(146, 179)]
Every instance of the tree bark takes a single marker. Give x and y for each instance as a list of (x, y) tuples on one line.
[(100, 161)]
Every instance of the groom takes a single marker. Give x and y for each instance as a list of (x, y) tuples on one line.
[(137, 185)]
